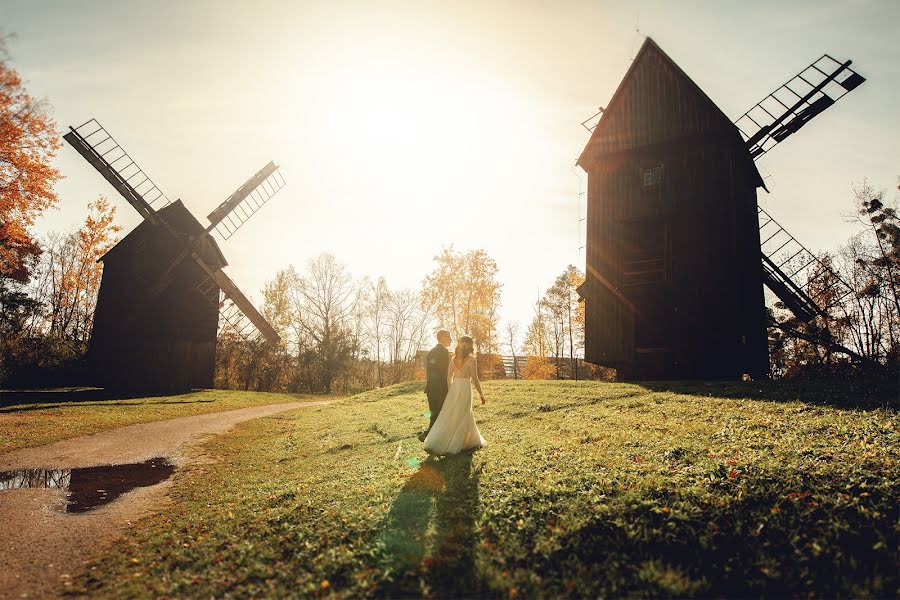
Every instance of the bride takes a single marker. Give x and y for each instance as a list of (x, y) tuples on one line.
[(455, 429)]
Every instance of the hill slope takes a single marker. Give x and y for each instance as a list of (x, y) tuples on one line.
[(586, 489)]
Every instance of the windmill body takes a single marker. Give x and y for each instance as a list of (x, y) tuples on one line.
[(167, 344), (677, 248), (673, 280), (163, 293)]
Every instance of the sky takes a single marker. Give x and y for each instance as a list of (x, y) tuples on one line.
[(403, 127)]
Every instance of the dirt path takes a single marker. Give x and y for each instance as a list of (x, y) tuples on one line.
[(41, 548)]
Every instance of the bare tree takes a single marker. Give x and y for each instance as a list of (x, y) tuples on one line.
[(359, 374), (884, 224), (536, 337), (512, 338), (325, 298), (406, 333), (380, 298)]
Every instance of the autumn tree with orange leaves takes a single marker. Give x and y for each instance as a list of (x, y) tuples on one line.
[(67, 279), (51, 337), (463, 293), (28, 143)]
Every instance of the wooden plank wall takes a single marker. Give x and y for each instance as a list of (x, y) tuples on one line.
[(709, 310), (139, 341)]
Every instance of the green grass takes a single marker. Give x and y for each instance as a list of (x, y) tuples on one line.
[(587, 489), (60, 414)]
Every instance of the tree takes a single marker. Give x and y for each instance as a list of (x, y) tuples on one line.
[(324, 299), (859, 286), (407, 328), (537, 337), (358, 375), (16, 309), (561, 301), (277, 308), (68, 277), (463, 293), (512, 336), (536, 345), (865, 317), (45, 326), (557, 325), (380, 297), (248, 364), (275, 361), (798, 346), (28, 143), (872, 264), (884, 224)]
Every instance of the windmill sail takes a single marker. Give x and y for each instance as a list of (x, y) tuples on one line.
[(806, 95), (100, 149), (237, 311), (807, 285), (245, 201)]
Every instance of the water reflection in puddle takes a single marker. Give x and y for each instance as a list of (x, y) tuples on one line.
[(89, 487)]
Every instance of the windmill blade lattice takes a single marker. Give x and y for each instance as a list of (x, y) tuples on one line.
[(101, 149), (807, 285), (236, 312), (806, 95), (230, 316), (231, 319), (245, 201)]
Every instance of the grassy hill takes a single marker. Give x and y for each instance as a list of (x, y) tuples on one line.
[(34, 418), (586, 489)]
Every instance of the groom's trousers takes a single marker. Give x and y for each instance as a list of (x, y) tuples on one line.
[(436, 394)]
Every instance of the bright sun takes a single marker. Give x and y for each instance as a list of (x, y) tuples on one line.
[(401, 131)]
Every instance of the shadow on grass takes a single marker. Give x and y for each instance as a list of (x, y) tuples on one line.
[(428, 537), (846, 393), (56, 396), (768, 542)]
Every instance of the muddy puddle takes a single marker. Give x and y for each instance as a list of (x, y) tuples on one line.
[(88, 488)]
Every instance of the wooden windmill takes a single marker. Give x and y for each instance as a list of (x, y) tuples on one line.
[(677, 248), (163, 293)]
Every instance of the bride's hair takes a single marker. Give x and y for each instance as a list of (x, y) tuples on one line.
[(464, 347)]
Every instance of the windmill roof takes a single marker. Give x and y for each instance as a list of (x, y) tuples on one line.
[(181, 219), (616, 107)]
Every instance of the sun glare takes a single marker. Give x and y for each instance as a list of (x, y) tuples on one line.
[(402, 132)]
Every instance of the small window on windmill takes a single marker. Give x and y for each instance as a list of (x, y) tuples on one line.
[(651, 176)]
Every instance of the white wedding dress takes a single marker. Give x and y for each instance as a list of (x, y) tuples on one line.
[(455, 429)]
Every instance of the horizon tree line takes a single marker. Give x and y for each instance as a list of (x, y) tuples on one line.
[(342, 333)]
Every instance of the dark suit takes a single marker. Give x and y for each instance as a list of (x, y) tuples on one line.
[(437, 362)]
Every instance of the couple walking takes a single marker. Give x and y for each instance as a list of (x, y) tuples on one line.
[(449, 382)]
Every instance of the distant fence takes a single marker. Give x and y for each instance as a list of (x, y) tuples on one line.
[(562, 364)]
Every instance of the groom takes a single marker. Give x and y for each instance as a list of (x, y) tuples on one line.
[(436, 364)]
